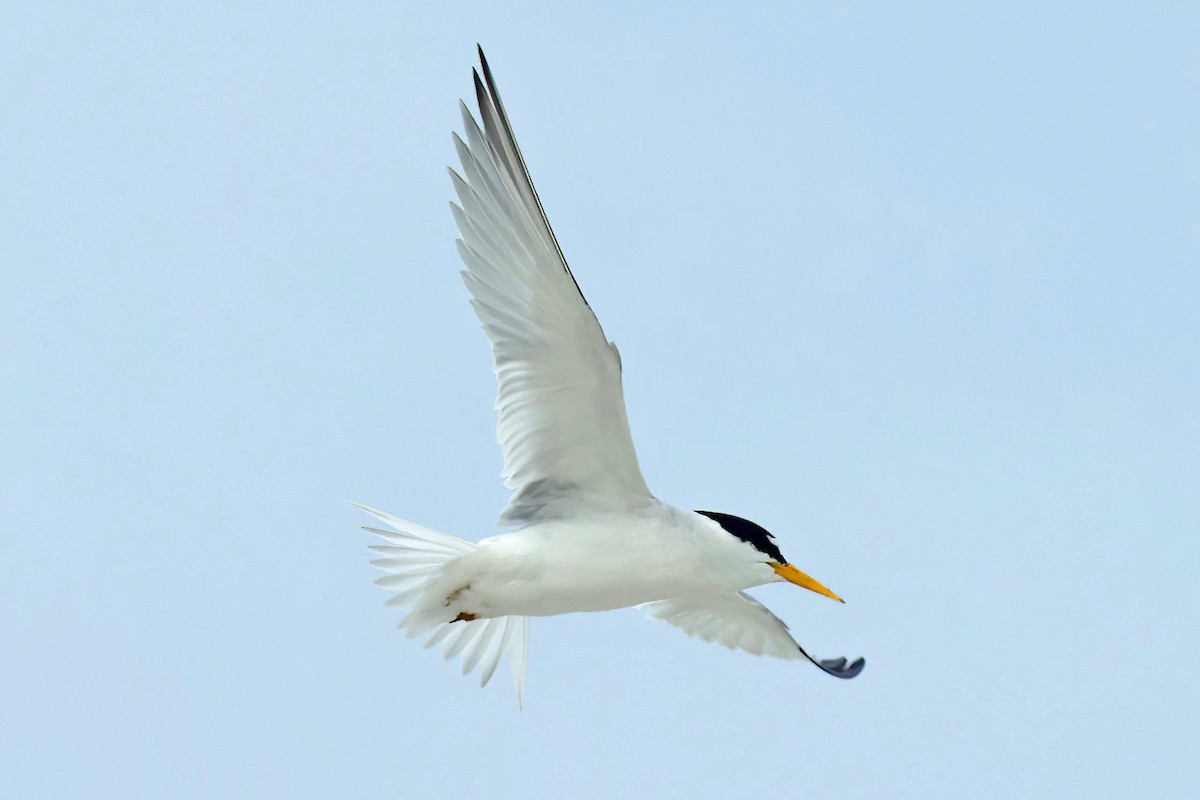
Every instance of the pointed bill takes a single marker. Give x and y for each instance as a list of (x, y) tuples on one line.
[(803, 580)]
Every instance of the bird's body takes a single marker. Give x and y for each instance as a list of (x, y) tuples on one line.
[(583, 564), (590, 536)]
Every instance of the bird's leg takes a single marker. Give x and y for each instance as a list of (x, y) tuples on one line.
[(463, 616)]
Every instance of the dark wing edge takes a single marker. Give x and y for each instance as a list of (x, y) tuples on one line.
[(837, 667), (500, 135)]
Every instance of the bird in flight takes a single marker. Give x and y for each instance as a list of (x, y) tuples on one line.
[(590, 536)]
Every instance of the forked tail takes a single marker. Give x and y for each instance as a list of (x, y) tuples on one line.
[(414, 558)]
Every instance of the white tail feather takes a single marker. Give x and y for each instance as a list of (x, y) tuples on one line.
[(414, 558)]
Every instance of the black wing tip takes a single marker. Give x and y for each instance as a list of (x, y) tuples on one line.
[(838, 668), (487, 80), (483, 63)]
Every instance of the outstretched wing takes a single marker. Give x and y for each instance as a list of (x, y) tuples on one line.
[(738, 621), (562, 423)]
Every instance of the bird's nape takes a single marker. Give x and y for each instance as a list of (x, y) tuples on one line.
[(763, 541)]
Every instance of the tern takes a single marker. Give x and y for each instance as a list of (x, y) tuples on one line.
[(590, 536)]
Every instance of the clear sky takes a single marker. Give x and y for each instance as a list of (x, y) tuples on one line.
[(915, 288)]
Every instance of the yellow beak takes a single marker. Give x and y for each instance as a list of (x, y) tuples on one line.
[(793, 575)]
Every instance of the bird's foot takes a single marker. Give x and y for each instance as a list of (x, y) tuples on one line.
[(464, 616)]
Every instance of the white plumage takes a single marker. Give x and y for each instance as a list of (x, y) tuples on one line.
[(591, 535)]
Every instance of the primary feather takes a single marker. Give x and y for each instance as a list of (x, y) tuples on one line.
[(562, 424)]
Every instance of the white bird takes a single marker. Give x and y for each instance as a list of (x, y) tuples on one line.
[(591, 537)]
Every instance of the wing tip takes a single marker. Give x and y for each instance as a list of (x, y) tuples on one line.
[(838, 668), (481, 93), (483, 63)]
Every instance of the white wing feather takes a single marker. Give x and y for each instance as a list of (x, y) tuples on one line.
[(737, 621), (562, 424)]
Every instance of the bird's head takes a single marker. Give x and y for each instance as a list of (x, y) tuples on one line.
[(761, 540)]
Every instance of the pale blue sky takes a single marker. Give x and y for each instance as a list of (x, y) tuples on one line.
[(915, 288)]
